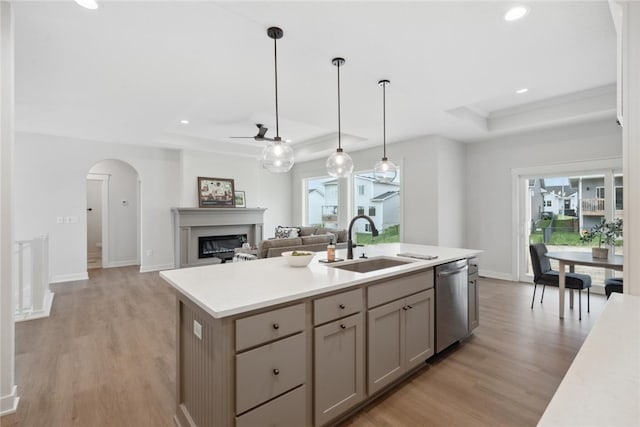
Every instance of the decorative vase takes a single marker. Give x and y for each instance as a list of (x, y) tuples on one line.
[(600, 252)]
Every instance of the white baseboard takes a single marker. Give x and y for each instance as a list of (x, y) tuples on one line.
[(497, 275), (9, 403), (126, 263), (69, 277), (158, 267), (38, 314)]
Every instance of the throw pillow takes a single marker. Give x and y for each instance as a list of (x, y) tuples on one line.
[(286, 232)]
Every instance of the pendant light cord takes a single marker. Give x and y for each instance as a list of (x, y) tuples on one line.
[(275, 55), (384, 120), (339, 138)]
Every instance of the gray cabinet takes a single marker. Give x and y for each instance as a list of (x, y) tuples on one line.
[(339, 367), (401, 337), (474, 302)]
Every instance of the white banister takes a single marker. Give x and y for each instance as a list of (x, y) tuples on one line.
[(33, 297)]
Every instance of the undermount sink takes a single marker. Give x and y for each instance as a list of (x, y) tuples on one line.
[(370, 264)]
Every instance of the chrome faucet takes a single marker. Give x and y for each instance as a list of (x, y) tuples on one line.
[(374, 232)]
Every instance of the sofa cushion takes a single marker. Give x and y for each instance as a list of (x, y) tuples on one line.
[(313, 240), (340, 233), (307, 231), (277, 243)]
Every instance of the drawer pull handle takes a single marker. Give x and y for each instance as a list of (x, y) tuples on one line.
[(343, 326), (276, 371), (405, 308), (342, 306), (276, 326), (410, 306)]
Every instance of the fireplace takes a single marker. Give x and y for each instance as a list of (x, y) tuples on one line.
[(193, 225), (220, 246)]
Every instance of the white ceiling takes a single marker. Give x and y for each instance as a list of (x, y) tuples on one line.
[(130, 71)]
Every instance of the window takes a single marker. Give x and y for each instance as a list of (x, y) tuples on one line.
[(547, 203), (322, 201), (599, 192), (381, 202), (619, 199)]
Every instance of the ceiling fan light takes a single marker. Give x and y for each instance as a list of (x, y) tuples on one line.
[(385, 171), (277, 157), (339, 164)]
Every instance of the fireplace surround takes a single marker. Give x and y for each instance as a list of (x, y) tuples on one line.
[(191, 224)]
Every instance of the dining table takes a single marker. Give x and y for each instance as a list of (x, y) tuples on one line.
[(573, 258)]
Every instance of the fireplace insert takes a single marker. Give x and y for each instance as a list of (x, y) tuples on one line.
[(220, 246)]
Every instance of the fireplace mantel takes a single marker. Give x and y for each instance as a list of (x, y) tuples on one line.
[(190, 223)]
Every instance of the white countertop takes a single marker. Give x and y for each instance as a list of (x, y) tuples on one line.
[(232, 288), (602, 385)]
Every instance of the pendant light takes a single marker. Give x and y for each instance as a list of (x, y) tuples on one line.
[(277, 156), (385, 170), (339, 164)]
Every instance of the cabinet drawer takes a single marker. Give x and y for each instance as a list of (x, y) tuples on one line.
[(270, 370), (398, 288), (288, 410), (473, 266), (337, 306), (258, 329)]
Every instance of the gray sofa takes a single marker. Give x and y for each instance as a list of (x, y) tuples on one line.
[(313, 239)]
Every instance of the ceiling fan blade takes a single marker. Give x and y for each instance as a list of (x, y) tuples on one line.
[(262, 131), (242, 137)]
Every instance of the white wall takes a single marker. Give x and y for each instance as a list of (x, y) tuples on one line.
[(122, 247), (262, 188), (8, 394), (490, 201), (50, 181), (429, 167)]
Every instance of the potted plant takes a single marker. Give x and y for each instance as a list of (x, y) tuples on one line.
[(606, 233)]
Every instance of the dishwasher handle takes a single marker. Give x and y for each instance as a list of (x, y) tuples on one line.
[(448, 273)]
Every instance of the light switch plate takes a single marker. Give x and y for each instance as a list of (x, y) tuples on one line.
[(197, 329)]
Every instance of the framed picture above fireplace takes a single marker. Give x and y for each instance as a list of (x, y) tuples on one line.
[(216, 193)]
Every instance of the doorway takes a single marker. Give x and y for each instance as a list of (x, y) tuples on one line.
[(113, 215)]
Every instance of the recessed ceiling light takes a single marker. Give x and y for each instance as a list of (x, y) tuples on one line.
[(88, 4), (184, 121), (523, 90), (516, 13)]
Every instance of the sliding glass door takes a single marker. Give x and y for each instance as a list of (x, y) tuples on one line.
[(555, 209)]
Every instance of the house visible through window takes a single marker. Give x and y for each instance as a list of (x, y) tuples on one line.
[(381, 202), (322, 202)]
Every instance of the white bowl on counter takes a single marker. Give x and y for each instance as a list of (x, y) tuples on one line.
[(301, 259)]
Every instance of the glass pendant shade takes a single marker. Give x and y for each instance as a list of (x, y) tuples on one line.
[(277, 157), (339, 164), (385, 170)]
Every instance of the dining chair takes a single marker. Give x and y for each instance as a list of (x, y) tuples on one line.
[(613, 284), (545, 276)]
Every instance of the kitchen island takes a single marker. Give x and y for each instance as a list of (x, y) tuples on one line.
[(262, 343)]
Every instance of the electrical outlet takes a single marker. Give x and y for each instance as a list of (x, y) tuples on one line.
[(197, 329), (60, 220)]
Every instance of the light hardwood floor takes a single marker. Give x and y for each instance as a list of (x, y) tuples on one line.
[(106, 357)]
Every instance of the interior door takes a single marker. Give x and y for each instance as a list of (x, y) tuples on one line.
[(94, 218)]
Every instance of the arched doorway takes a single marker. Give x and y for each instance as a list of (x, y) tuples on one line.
[(113, 215)]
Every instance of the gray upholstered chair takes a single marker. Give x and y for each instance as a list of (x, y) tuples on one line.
[(545, 276), (613, 284)]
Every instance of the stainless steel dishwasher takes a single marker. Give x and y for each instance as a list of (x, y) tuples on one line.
[(452, 303)]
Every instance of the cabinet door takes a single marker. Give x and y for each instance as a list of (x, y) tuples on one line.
[(339, 367), (474, 303), (419, 328), (386, 345)]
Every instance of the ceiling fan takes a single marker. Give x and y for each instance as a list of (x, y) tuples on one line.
[(260, 136)]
